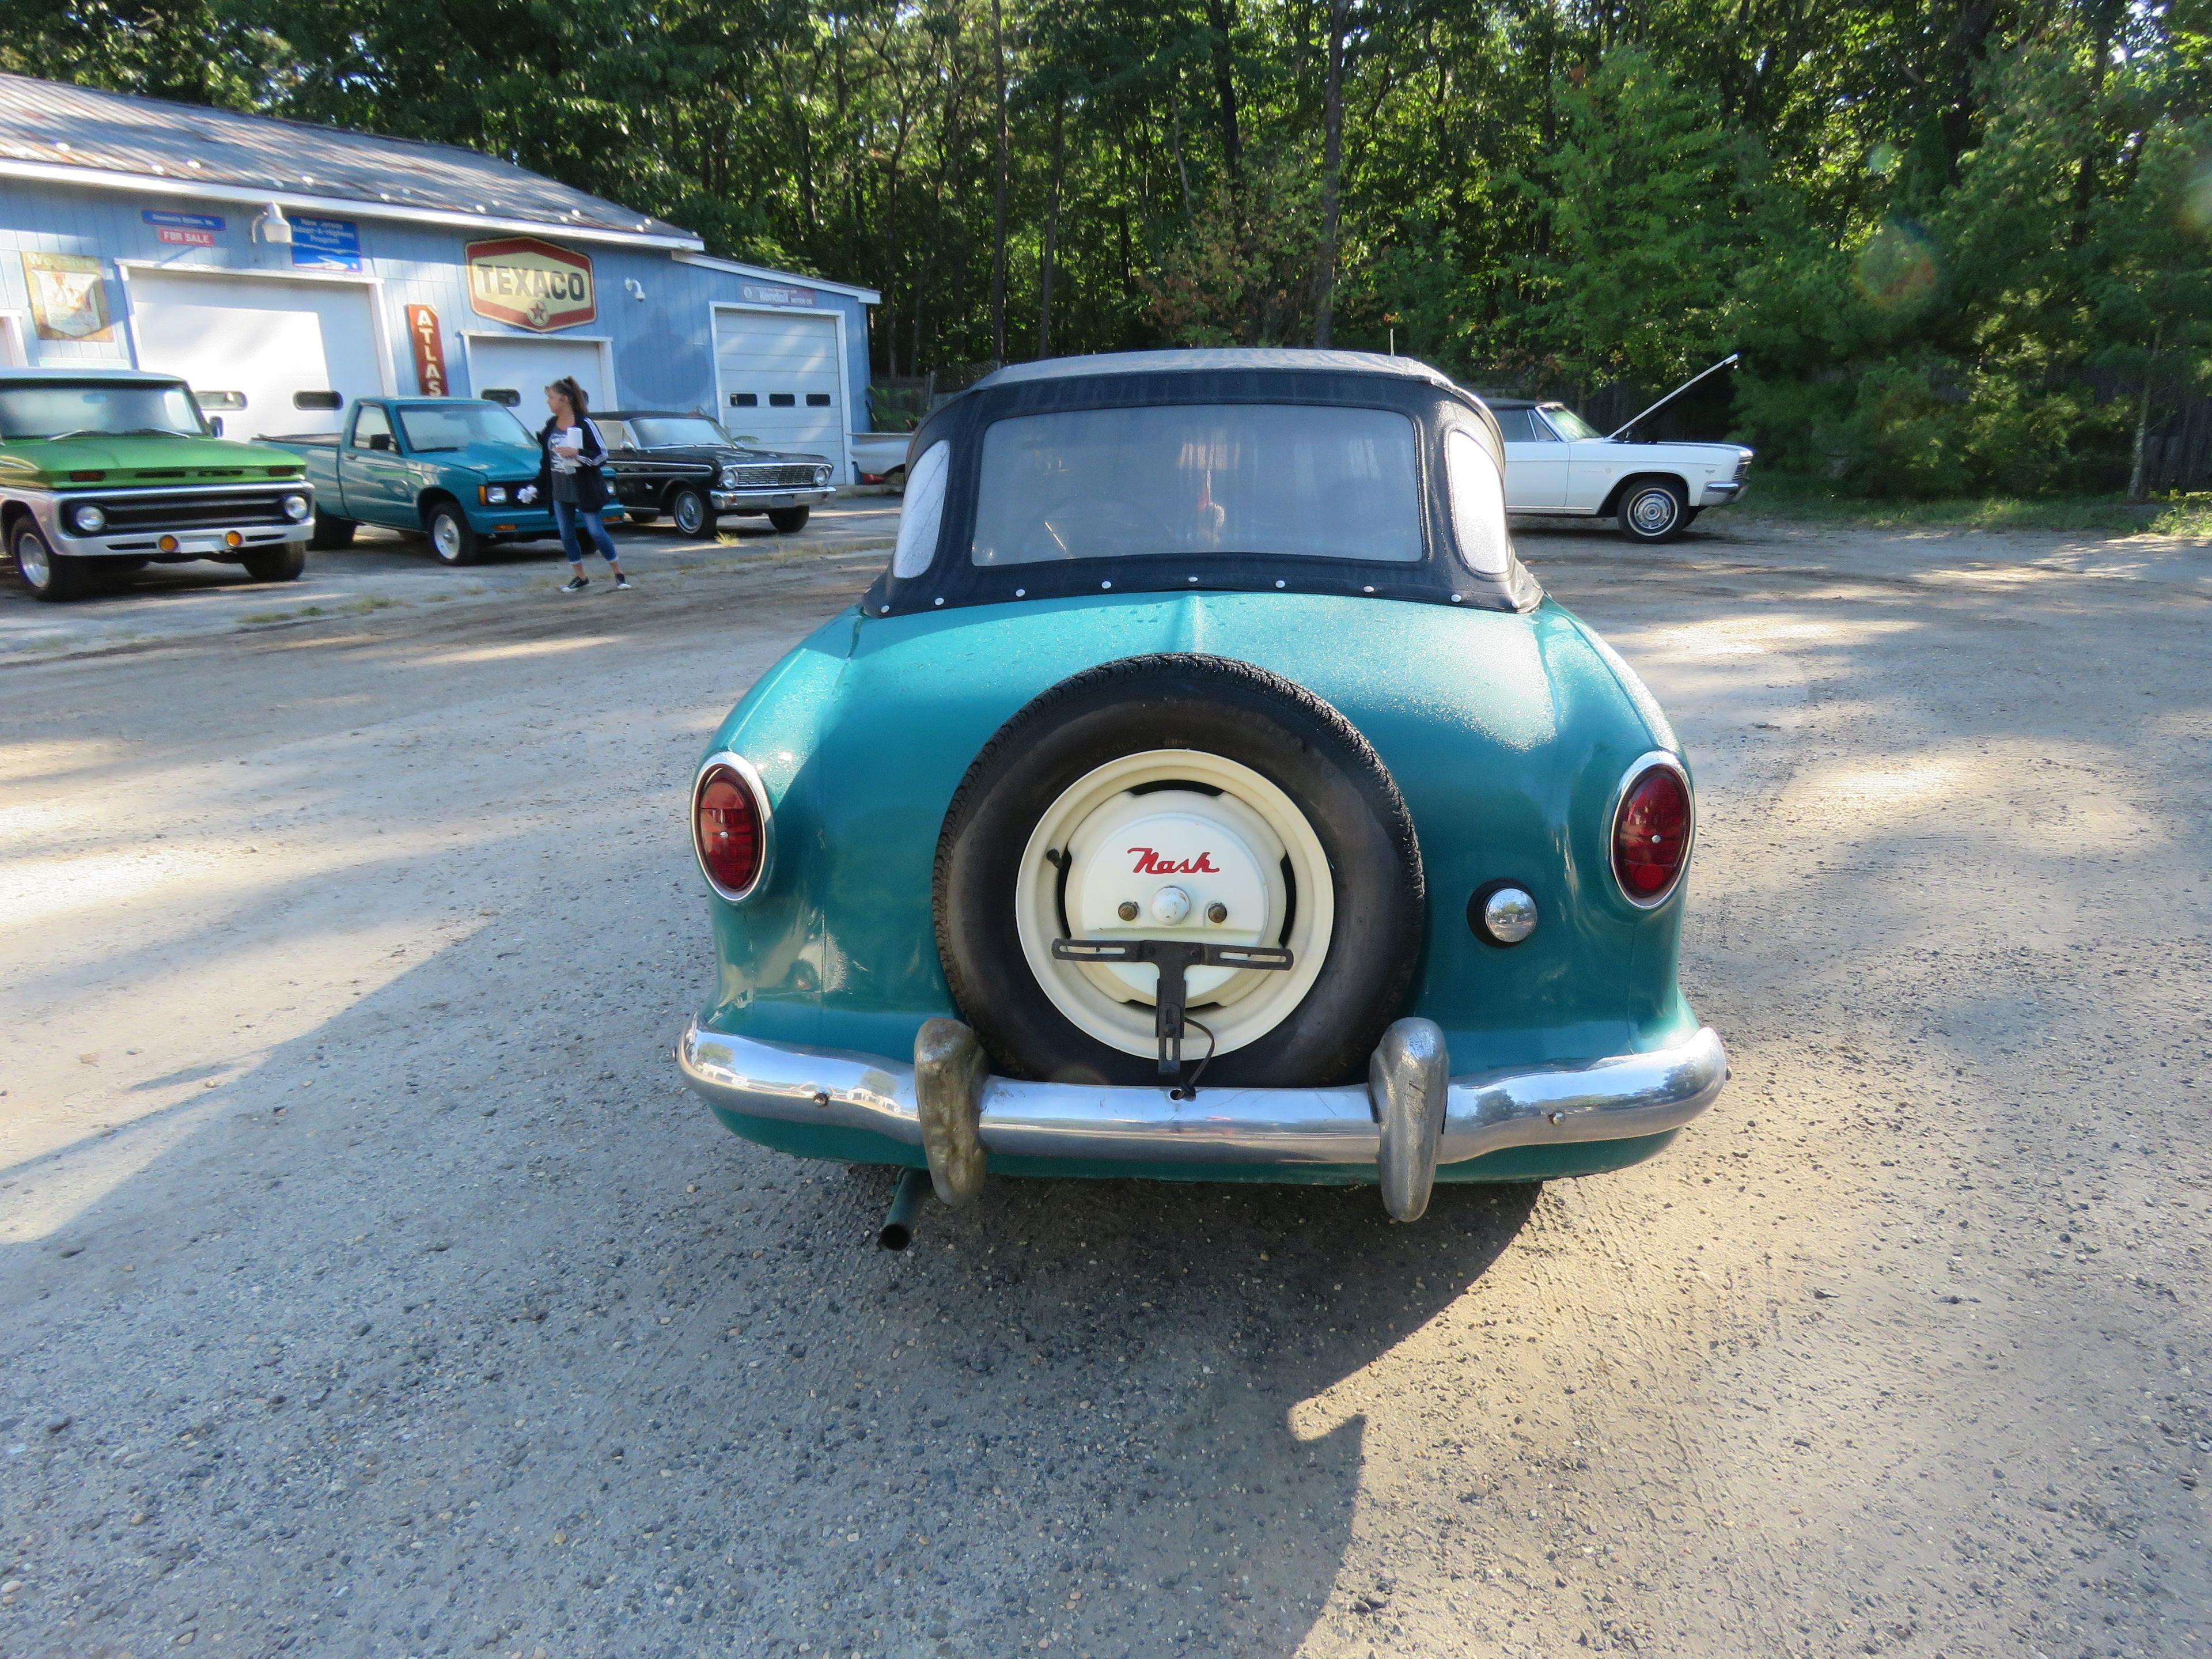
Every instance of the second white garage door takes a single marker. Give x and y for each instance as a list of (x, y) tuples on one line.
[(778, 375), (515, 369), (269, 354)]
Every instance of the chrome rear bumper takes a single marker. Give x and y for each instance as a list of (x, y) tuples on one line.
[(1619, 1098)]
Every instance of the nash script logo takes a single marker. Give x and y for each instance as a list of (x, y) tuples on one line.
[(1150, 863)]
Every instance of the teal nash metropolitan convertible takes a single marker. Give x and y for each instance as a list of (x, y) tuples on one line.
[(1206, 792)]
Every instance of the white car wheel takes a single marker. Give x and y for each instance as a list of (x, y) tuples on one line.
[(1175, 843), (1652, 510)]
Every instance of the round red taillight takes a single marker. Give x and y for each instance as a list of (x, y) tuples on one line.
[(1651, 835), (726, 825)]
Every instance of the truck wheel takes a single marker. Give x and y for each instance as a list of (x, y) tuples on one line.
[(1260, 817), (452, 538), (281, 564), (332, 533), (788, 519), (48, 575), (693, 512), (1652, 510)]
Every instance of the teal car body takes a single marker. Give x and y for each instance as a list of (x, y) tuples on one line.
[(1510, 729)]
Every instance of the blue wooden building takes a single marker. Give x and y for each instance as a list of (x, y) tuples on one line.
[(283, 268)]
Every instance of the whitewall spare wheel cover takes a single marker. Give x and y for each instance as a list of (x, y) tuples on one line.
[(1177, 856)]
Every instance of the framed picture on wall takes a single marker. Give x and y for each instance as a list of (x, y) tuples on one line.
[(69, 296)]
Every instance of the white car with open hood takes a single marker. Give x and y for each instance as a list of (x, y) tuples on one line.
[(1559, 466)]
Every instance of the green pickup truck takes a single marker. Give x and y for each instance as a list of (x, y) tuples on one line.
[(104, 471), (446, 469)]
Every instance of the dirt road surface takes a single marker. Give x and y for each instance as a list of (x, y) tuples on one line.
[(372, 1287)]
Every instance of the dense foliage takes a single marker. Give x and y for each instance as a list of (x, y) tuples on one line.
[(1961, 243)]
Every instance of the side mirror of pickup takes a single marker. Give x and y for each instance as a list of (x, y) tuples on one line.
[(379, 440), (215, 424)]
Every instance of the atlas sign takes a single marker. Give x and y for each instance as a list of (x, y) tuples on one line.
[(531, 283)]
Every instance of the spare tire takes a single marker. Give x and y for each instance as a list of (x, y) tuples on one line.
[(1189, 796)]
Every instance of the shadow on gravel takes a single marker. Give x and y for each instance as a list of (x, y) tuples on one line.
[(1115, 1369), (455, 1326)]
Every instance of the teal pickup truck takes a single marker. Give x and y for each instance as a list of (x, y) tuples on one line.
[(448, 468), (105, 472)]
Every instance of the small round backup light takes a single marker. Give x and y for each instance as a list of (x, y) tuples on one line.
[(88, 520), (167, 543), (232, 538), (727, 831), (1503, 912), (1651, 832)]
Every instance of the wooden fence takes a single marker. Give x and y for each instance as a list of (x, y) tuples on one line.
[(2178, 452)]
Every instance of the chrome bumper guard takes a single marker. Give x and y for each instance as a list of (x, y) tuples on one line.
[(760, 501), (1718, 492), (1619, 1098)]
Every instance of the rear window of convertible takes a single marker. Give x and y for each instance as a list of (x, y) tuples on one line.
[(1201, 478)]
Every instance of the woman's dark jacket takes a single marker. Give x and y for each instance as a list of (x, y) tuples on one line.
[(591, 476)]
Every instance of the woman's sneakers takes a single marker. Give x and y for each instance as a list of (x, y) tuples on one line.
[(576, 584), (621, 583)]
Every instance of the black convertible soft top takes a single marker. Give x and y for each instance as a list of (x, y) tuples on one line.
[(1442, 575)]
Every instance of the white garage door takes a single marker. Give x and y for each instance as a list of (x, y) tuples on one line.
[(515, 369), (269, 357), (778, 375)]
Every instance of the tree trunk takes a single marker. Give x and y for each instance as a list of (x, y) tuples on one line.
[(1175, 137), (1122, 218), (2136, 483), (1222, 16), (1332, 169), (1051, 230), (999, 218)]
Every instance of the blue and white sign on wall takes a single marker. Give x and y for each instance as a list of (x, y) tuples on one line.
[(183, 229), (325, 244), (775, 293), (183, 220)]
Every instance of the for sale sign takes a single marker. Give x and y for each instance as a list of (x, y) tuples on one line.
[(531, 283)]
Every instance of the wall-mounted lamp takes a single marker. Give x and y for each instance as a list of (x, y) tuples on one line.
[(273, 227), (634, 288)]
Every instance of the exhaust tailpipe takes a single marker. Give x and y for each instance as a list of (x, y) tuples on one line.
[(906, 1208)]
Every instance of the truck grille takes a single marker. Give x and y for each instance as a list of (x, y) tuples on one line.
[(782, 475), (197, 511)]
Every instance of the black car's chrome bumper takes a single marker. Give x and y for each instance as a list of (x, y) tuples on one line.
[(762, 500)]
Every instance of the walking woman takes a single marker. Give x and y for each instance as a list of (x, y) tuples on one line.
[(572, 459)]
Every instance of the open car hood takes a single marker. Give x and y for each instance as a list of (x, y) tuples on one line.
[(1732, 359)]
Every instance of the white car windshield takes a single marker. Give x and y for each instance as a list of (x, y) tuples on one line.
[(108, 407), (434, 427), (665, 431), (1269, 479), (1568, 424)]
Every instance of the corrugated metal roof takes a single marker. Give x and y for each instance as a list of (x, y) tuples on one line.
[(49, 124)]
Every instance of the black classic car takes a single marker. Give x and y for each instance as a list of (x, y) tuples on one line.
[(685, 465)]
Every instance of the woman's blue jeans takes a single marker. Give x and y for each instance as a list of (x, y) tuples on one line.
[(567, 516)]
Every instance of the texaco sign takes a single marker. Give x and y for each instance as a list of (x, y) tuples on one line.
[(531, 283)]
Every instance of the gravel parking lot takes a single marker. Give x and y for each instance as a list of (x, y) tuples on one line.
[(372, 1286), (384, 570)]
